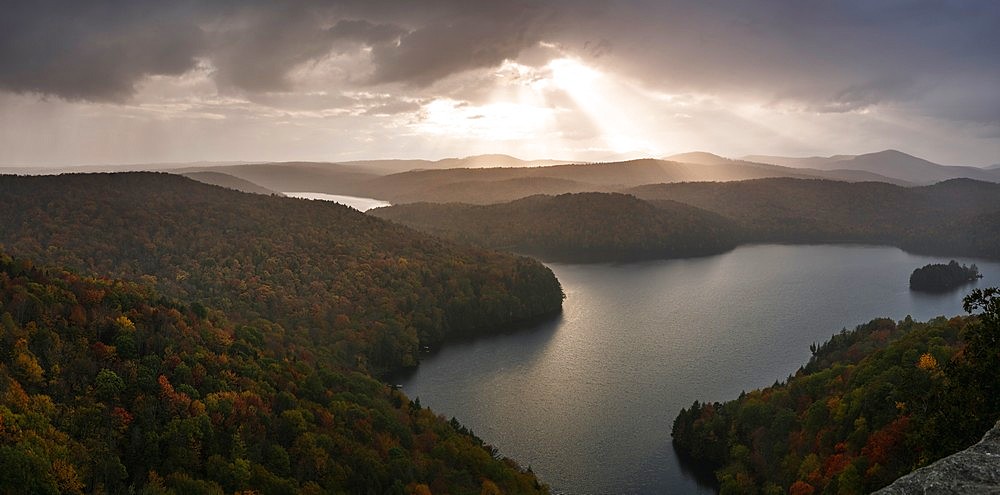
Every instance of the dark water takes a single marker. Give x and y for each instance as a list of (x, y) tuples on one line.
[(587, 401)]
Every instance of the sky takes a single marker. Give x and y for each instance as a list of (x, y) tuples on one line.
[(145, 81)]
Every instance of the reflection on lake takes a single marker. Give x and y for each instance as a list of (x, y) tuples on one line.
[(588, 400), (358, 203)]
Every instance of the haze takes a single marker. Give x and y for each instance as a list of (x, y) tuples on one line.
[(110, 82)]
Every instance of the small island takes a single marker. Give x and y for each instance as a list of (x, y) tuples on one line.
[(940, 277)]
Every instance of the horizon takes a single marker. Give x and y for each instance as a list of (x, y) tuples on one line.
[(231, 162), (577, 81)]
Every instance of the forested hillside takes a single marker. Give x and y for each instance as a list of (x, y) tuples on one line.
[(106, 387), (228, 181), (956, 217), (871, 405), (575, 227), (365, 291)]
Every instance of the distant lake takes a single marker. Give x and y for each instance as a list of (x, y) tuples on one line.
[(588, 401), (358, 203)]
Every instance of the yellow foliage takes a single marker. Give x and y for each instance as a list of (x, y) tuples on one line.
[(66, 477), (197, 408), (125, 324), (927, 362), (26, 364)]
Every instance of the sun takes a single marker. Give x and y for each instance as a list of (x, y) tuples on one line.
[(572, 75), (529, 107)]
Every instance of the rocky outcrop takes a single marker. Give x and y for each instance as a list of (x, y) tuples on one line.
[(975, 470)]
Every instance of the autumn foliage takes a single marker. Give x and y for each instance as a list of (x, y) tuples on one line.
[(871, 405), (147, 396)]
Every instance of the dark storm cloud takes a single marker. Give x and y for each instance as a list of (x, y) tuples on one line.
[(826, 56), (94, 50), (361, 31), (466, 40)]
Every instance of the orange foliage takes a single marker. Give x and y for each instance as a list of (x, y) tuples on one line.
[(884, 442), (835, 464), (801, 488)]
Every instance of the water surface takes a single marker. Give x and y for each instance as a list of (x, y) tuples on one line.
[(588, 400), (356, 202)]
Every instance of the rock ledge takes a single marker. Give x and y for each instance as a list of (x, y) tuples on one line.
[(975, 470)]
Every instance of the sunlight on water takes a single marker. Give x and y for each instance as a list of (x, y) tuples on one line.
[(358, 203)]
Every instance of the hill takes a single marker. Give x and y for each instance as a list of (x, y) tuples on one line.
[(366, 292), (229, 182), (107, 387), (871, 405), (888, 163), (477, 185), (575, 227), (956, 217), (782, 170), (699, 158), (294, 176), (476, 161), (486, 179)]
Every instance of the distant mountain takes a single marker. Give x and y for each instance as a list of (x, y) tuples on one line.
[(295, 176), (585, 227), (817, 162), (476, 161), (993, 167), (889, 163), (130, 167), (228, 181), (781, 170), (492, 185), (699, 158)]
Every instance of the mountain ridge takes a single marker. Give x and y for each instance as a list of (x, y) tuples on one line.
[(890, 163)]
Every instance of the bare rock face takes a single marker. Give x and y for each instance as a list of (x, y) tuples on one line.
[(975, 470)]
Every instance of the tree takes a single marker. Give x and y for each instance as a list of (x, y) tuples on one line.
[(108, 385)]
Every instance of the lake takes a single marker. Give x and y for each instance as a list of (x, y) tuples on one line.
[(588, 400), (356, 202)]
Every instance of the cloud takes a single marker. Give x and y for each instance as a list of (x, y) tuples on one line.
[(831, 57), (442, 48), (835, 61), (94, 50), (365, 32)]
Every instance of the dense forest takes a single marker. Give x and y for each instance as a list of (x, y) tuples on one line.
[(955, 217), (941, 277), (871, 405), (107, 387), (228, 181), (369, 292), (575, 227), (261, 378)]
